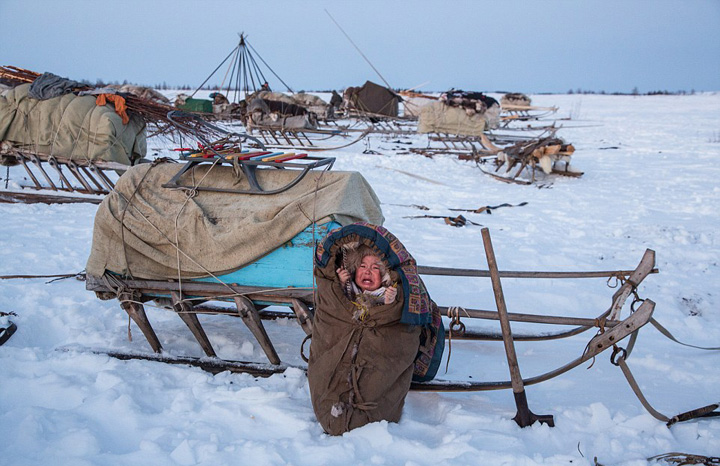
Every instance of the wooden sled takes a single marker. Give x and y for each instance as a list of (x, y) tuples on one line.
[(271, 282), (477, 147), (528, 161), (252, 289), (52, 175), (305, 139), (465, 147), (520, 113), (259, 285), (281, 278)]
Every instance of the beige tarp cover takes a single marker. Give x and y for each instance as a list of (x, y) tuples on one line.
[(440, 118), (70, 126), (216, 232), (413, 105)]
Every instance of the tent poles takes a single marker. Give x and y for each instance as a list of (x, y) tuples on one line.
[(256, 69), (232, 73), (358, 49), (271, 70), (242, 72), (214, 71)]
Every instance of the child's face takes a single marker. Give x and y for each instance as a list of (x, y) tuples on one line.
[(367, 275)]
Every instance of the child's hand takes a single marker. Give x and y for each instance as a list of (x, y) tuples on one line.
[(390, 294), (343, 275)]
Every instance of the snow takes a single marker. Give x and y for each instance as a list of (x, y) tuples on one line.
[(651, 181)]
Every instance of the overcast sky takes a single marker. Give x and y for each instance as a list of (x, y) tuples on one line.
[(529, 46)]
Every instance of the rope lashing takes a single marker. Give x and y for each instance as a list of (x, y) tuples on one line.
[(454, 315)]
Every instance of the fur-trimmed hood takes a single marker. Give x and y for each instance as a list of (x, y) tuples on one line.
[(401, 266)]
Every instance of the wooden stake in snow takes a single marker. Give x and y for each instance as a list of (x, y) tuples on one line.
[(524, 416)]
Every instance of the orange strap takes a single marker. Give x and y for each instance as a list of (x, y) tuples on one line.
[(120, 106)]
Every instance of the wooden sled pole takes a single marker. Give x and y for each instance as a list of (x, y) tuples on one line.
[(453, 272), (249, 314), (524, 416), (185, 311), (136, 311)]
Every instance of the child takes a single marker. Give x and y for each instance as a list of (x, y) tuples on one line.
[(371, 283), (363, 356)]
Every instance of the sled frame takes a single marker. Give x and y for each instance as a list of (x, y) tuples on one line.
[(249, 169), (190, 297), (72, 175)]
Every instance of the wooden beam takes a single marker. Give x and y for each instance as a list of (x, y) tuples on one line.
[(184, 310), (251, 318)]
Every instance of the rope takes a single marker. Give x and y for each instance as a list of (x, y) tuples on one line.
[(669, 335), (128, 203), (600, 324), (175, 245), (189, 194), (64, 275), (705, 411), (314, 222), (454, 315)]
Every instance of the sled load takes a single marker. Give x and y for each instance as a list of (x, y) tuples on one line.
[(515, 99), (276, 111), (371, 101), (232, 241), (459, 114), (73, 127), (66, 142), (519, 162), (73, 138)]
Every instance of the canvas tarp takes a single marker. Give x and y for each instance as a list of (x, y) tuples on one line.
[(70, 126), (413, 104), (438, 117), (375, 99), (216, 232)]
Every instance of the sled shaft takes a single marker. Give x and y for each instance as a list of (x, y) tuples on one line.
[(453, 272), (532, 318)]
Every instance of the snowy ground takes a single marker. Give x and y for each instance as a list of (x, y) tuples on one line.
[(651, 181)]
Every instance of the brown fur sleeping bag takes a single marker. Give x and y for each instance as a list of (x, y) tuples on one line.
[(361, 364)]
